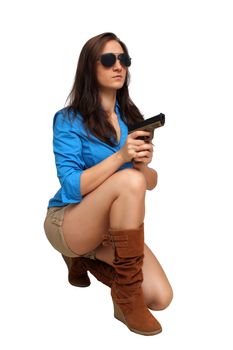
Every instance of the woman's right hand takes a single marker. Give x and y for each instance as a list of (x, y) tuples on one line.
[(131, 146)]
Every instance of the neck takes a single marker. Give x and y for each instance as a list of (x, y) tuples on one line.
[(108, 101)]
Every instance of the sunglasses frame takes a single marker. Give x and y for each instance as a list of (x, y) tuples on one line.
[(117, 56)]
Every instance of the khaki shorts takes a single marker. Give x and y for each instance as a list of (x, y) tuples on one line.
[(53, 231)]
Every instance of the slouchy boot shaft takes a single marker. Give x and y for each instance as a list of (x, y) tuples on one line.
[(126, 291)]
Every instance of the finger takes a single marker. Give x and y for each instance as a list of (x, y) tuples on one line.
[(136, 142), (138, 133), (143, 154), (145, 147)]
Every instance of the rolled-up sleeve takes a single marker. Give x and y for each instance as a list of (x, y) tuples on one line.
[(67, 147)]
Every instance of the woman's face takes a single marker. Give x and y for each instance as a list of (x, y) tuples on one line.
[(112, 78)]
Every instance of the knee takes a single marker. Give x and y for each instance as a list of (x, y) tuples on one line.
[(163, 301), (133, 180)]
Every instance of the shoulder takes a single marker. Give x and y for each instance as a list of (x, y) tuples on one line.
[(67, 119)]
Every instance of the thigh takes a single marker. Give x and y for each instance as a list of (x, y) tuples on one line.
[(85, 223), (156, 287)]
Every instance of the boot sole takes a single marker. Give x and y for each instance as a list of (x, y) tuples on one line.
[(120, 317), (79, 284)]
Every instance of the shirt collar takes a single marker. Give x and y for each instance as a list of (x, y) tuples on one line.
[(117, 106)]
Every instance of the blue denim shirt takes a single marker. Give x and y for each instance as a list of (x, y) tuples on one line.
[(74, 153)]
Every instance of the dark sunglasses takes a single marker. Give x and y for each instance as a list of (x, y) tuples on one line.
[(109, 59)]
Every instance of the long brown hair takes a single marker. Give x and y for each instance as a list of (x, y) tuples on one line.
[(84, 97)]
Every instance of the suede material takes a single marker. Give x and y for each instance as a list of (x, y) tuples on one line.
[(126, 289), (124, 239), (102, 271), (78, 268), (77, 275)]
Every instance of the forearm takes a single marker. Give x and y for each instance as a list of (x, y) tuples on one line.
[(91, 178), (150, 174)]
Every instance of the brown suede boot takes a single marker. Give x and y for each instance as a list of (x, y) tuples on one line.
[(77, 271), (78, 268), (102, 271), (126, 291)]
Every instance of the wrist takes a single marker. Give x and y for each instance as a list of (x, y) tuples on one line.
[(119, 157)]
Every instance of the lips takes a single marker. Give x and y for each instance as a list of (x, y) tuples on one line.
[(118, 76)]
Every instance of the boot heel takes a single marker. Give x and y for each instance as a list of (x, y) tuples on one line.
[(118, 313)]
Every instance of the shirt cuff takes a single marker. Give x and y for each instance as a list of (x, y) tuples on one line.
[(71, 192)]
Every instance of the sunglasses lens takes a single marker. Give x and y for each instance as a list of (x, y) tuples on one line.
[(125, 59), (108, 59)]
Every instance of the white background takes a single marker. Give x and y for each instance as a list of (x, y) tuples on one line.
[(181, 66)]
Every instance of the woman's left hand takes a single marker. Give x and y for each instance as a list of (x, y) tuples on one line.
[(145, 154)]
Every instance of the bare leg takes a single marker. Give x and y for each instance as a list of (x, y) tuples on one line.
[(128, 211), (118, 203)]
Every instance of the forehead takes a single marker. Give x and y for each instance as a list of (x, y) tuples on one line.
[(112, 46)]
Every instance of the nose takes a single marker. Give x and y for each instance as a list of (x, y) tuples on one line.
[(117, 65)]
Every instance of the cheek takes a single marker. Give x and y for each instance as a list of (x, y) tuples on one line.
[(101, 75)]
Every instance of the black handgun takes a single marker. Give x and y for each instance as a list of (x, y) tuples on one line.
[(148, 125)]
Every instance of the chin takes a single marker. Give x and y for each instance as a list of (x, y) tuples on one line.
[(112, 86), (117, 86)]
